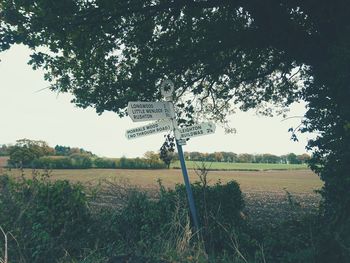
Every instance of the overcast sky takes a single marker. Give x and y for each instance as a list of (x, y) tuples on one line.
[(26, 113)]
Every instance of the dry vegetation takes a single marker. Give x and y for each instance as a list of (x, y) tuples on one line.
[(3, 161), (266, 192), (271, 197), (294, 181)]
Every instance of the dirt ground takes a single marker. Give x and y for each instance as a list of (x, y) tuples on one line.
[(3, 161), (270, 196), (294, 181)]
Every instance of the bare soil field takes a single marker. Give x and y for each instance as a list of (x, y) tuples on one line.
[(3, 161), (270, 196), (294, 181)]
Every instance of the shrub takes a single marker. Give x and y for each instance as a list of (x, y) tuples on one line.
[(139, 163), (47, 219), (53, 163), (81, 161), (104, 163), (291, 241), (145, 220), (75, 161), (25, 151), (52, 222), (219, 209)]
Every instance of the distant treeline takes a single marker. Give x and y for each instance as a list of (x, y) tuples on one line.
[(36, 148), (38, 154), (231, 157), (79, 161)]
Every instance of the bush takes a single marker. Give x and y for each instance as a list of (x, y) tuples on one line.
[(145, 222), (25, 151), (219, 208), (52, 222), (53, 163), (75, 161), (84, 161), (139, 163), (81, 161), (292, 241), (104, 163), (47, 219)]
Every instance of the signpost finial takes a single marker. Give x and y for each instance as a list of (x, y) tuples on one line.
[(167, 89)]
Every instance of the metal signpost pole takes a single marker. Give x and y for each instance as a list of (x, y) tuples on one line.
[(168, 93), (188, 185)]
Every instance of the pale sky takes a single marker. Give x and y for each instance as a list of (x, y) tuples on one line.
[(26, 113)]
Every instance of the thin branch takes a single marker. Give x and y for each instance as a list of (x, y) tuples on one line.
[(293, 117), (5, 260)]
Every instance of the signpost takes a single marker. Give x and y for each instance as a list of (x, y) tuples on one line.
[(153, 128), (148, 111), (196, 130), (165, 113)]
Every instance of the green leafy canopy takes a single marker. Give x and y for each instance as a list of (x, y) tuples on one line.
[(110, 52)]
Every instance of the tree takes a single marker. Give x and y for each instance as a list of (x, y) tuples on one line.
[(4, 150), (152, 158), (270, 158), (218, 52), (218, 156), (211, 157), (245, 158), (25, 151), (196, 156), (81, 160), (229, 156), (292, 158), (304, 158), (167, 151), (62, 150), (104, 51)]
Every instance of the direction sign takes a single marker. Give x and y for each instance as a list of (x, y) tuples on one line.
[(196, 130), (148, 111), (182, 142), (153, 128)]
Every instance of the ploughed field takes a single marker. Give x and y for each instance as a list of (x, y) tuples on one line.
[(3, 161), (270, 196), (272, 181), (242, 166)]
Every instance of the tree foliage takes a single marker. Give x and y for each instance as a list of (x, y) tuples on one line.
[(109, 52), (67, 151), (4, 150), (167, 150), (25, 151), (232, 157)]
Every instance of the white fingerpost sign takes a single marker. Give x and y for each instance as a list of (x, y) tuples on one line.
[(196, 130), (153, 128), (148, 111)]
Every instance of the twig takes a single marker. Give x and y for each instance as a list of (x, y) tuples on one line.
[(5, 260), (233, 241), (293, 117), (262, 253)]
